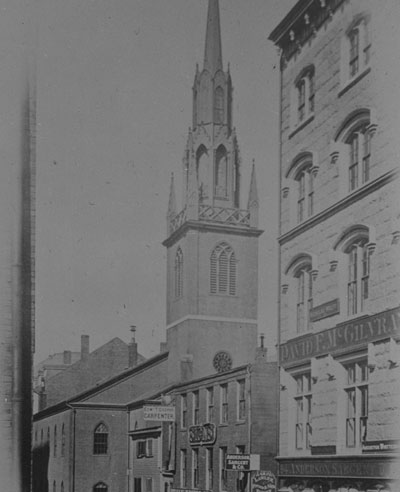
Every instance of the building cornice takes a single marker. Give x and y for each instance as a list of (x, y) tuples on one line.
[(210, 227), (357, 195), (222, 319)]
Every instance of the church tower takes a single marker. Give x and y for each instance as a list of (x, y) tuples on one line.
[(212, 244)]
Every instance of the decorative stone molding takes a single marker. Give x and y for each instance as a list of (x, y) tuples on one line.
[(396, 237), (371, 246), (285, 288), (314, 274), (371, 128), (314, 170), (285, 192)]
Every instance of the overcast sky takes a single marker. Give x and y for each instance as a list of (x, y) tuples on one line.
[(114, 106)]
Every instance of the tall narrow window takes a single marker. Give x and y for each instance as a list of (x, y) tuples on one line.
[(304, 298), (210, 468), (224, 403), (219, 105), (137, 484), (63, 438), (305, 200), (54, 486), (55, 441), (62, 487), (304, 96), (359, 143), (241, 388), (210, 404), (354, 40), (359, 48), (100, 439), (178, 273), (358, 277), (202, 171), (357, 403), (196, 408), (221, 172), (102, 487), (223, 475), (303, 402), (183, 468), (149, 484), (223, 270), (184, 411), (195, 468)]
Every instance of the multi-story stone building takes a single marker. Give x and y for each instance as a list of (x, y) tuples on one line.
[(339, 321)]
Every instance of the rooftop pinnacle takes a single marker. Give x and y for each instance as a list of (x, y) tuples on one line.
[(213, 51)]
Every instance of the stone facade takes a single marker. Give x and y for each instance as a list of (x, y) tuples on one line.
[(339, 257)]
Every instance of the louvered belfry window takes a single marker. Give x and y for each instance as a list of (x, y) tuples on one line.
[(223, 270)]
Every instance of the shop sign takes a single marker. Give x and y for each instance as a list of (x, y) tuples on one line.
[(350, 468), (242, 462), (263, 481), (189, 490), (160, 413), (381, 446), (324, 310), (346, 335), (202, 434)]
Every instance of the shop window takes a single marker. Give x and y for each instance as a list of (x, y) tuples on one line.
[(356, 391), (303, 403), (195, 468), (183, 477), (223, 474), (210, 468), (100, 439)]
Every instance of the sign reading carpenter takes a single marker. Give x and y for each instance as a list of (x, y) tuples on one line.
[(354, 334), (202, 434), (159, 413), (324, 310), (263, 481)]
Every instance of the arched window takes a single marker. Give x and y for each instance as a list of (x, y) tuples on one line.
[(100, 439), (55, 441), (100, 487), (303, 95), (304, 297), (202, 171), (63, 437), (178, 273), (353, 146), (356, 49), (223, 270), (62, 486), (219, 105), (356, 245), (221, 172), (54, 486)]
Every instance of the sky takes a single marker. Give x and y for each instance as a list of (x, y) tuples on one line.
[(114, 85)]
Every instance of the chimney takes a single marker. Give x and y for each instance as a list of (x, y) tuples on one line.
[(132, 349), (84, 347), (67, 357), (261, 352)]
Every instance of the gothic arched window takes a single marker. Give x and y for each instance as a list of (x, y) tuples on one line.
[(223, 270), (178, 273), (219, 105), (100, 439), (63, 438), (202, 171), (221, 172)]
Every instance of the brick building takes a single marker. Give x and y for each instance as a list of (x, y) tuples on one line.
[(339, 321)]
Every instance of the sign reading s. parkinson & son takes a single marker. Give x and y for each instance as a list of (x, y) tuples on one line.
[(356, 333), (202, 434)]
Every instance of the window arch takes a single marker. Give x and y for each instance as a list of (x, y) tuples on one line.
[(202, 171), (302, 172), (223, 270), (100, 487), (178, 273), (221, 172), (356, 246), (219, 105), (100, 439), (354, 137), (303, 95)]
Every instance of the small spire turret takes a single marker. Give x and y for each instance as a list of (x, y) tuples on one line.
[(171, 212), (252, 204)]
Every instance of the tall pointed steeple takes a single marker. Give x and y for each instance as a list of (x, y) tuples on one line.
[(213, 50)]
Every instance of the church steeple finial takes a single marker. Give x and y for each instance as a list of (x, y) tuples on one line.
[(213, 50)]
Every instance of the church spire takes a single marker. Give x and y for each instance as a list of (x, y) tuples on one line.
[(213, 51), (252, 204)]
